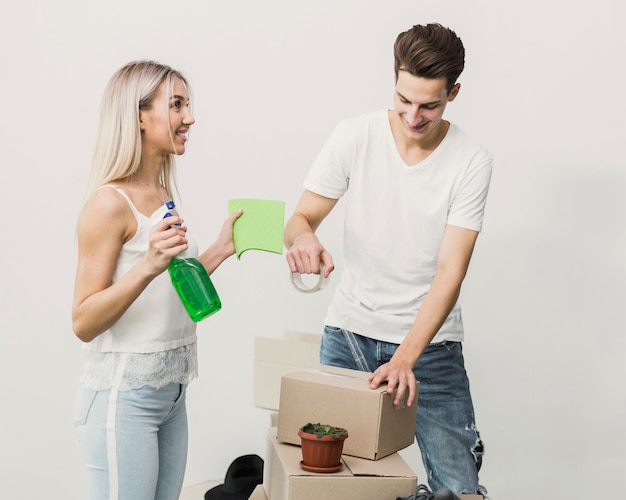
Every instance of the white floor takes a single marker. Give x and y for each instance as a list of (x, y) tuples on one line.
[(197, 491)]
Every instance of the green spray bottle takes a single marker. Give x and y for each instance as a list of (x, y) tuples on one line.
[(192, 282)]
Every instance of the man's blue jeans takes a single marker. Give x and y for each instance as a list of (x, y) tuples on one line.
[(449, 442)]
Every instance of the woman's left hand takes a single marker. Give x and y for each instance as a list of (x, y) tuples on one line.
[(225, 237)]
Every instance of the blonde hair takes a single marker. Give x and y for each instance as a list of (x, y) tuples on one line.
[(117, 152)]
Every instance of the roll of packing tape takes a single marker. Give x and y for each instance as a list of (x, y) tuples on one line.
[(296, 281)]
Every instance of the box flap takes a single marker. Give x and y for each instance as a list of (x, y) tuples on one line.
[(341, 378), (346, 372), (390, 466)]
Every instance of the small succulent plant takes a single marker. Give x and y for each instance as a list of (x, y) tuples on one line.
[(321, 430)]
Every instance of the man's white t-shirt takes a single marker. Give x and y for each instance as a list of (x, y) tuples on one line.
[(394, 222)]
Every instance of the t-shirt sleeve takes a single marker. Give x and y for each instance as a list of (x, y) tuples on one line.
[(329, 175), (468, 205)]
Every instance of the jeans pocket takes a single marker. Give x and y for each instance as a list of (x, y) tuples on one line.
[(333, 330), (449, 345), (82, 406)]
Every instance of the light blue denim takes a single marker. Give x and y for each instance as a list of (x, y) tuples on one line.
[(445, 427), (135, 442)]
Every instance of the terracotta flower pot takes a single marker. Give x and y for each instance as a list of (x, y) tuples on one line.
[(321, 454)]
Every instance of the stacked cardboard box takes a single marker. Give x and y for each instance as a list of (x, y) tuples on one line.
[(372, 468), (343, 398), (288, 378), (259, 494), (275, 357), (358, 479)]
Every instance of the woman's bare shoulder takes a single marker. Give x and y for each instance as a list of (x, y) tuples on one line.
[(107, 212)]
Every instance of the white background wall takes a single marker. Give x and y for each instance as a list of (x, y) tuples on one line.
[(544, 298)]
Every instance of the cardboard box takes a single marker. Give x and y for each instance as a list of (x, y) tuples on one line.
[(359, 479), (343, 398), (274, 419), (275, 357), (258, 493)]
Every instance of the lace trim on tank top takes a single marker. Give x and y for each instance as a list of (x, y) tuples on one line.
[(155, 369)]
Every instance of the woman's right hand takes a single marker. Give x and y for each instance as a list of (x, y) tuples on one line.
[(167, 239)]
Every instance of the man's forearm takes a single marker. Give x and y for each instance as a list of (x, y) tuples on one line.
[(438, 303), (296, 226)]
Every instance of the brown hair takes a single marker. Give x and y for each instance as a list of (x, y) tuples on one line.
[(430, 51)]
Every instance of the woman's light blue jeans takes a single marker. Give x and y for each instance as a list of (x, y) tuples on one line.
[(135, 442), (445, 430)]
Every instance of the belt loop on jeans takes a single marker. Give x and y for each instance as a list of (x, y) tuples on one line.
[(356, 351)]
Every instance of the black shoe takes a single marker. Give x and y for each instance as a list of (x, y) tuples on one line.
[(423, 493), (445, 494)]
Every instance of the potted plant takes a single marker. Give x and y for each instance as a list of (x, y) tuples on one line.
[(322, 445)]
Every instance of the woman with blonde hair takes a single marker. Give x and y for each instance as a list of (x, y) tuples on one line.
[(139, 342)]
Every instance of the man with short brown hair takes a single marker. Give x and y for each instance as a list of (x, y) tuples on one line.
[(416, 187)]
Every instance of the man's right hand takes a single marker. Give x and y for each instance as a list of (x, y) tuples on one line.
[(307, 253)]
